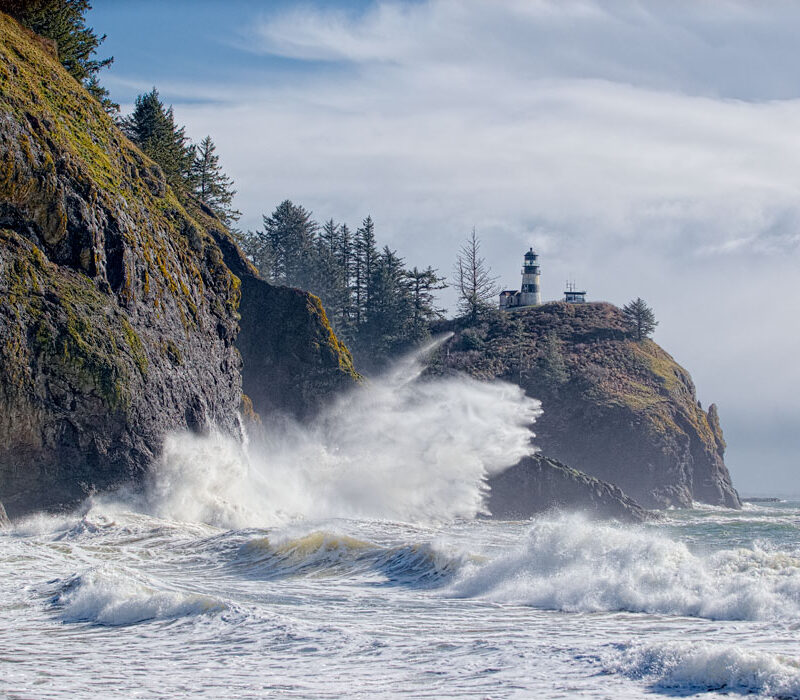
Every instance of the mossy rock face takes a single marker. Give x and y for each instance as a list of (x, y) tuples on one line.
[(620, 410), (292, 360), (119, 304), (107, 284), (293, 363)]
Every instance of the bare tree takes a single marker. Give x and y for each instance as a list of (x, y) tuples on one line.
[(474, 282)]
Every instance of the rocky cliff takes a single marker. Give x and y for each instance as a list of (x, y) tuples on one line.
[(292, 360), (118, 306), (620, 410)]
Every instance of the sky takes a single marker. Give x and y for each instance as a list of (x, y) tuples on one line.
[(642, 148)]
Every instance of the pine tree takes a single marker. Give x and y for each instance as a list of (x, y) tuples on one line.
[(474, 283), (389, 311), (211, 185), (345, 255), (152, 127), (366, 255), (289, 234), (552, 366), (328, 277), (639, 318), (63, 22), (256, 247), (329, 237), (422, 284)]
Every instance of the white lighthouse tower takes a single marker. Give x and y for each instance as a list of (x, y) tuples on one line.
[(531, 292)]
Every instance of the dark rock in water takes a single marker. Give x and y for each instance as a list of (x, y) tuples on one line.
[(118, 314), (761, 500), (538, 484), (621, 410)]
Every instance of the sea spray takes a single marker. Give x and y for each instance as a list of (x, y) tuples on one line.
[(399, 448)]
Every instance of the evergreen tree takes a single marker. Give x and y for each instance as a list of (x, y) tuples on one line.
[(256, 247), (639, 318), (357, 287), (328, 278), (474, 283), (366, 256), (152, 127), (390, 308), (345, 256), (552, 366), (63, 22), (211, 185), (422, 284), (329, 237), (289, 234)]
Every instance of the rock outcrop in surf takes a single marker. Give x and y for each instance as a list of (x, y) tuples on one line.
[(620, 410), (119, 316), (539, 484)]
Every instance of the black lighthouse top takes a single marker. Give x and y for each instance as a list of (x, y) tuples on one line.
[(531, 265)]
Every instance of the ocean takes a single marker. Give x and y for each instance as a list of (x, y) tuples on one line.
[(115, 603), (348, 558)]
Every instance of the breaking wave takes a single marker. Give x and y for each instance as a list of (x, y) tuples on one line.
[(396, 449), (573, 565), (699, 666), (115, 597)]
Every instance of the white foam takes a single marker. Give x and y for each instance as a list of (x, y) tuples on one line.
[(703, 666), (398, 449), (571, 564), (115, 596)]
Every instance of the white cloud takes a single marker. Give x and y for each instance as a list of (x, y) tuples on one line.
[(641, 146)]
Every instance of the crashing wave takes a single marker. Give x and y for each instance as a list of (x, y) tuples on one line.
[(573, 565), (699, 666), (396, 449), (114, 596)]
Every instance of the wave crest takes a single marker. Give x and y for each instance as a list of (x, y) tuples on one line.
[(329, 554)]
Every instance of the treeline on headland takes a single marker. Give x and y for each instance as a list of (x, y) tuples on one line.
[(376, 304)]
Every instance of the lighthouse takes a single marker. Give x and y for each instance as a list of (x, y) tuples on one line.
[(530, 294)]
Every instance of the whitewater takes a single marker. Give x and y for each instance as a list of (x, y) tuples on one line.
[(350, 558)]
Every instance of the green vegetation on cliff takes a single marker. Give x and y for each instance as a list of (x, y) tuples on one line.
[(119, 303), (73, 43)]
